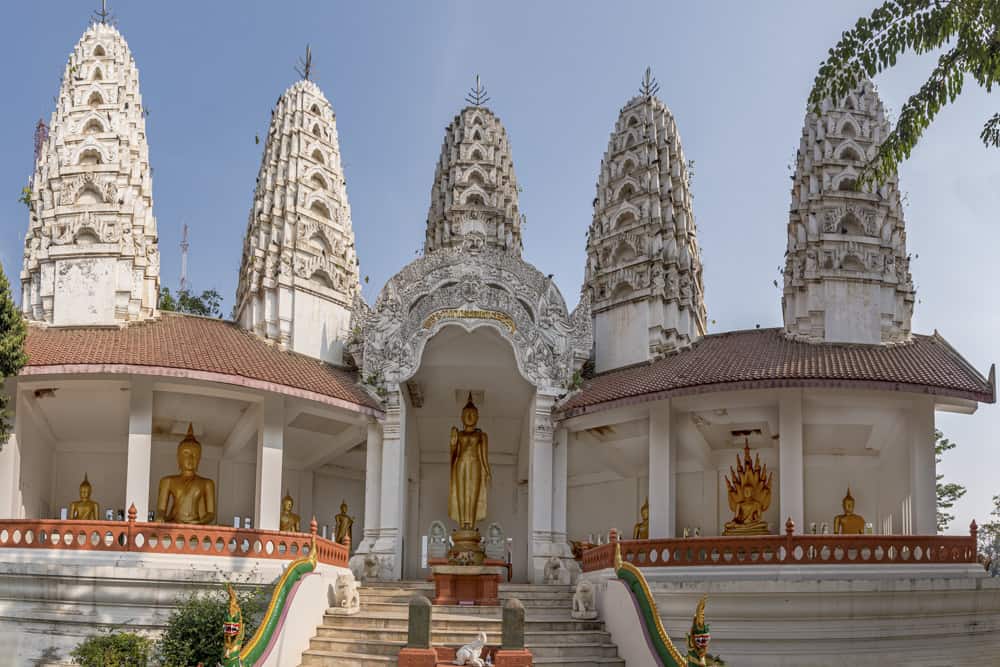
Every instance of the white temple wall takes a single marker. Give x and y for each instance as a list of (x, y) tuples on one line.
[(852, 313), (596, 507), (826, 481), (621, 336), (35, 451), (105, 466), (697, 503), (894, 490), (85, 291), (330, 487), (319, 327)]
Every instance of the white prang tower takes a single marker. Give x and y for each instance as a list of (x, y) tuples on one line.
[(299, 274), (644, 273), (90, 254), (847, 274), (474, 196)]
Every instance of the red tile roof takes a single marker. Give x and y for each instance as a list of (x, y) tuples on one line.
[(199, 344), (767, 358)]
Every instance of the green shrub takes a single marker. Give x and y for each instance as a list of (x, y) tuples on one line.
[(113, 649), (194, 629)]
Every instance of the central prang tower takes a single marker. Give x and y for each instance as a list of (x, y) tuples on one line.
[(299, 274), (643, 274)]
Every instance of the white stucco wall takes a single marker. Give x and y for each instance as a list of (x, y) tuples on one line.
[(621, 336), (84, 291), (319, 327)]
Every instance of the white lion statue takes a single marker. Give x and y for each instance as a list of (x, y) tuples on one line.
[(552, 571), (346, 594), (470, 653), (584, 605)]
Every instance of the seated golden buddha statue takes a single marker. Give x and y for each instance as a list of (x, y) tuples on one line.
[(289, 519), (749, 493), (641, 529), (84, 509), (344, 524), (187, 497), (848, 523)]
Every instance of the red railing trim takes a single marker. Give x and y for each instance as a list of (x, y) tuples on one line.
[(786, 550), (166, 538)]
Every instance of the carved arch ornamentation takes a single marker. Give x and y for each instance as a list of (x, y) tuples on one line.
[(472, 288)]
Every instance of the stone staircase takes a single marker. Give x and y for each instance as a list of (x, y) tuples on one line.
[(373, 637)]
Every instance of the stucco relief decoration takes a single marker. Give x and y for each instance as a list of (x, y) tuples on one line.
[(489, 287)]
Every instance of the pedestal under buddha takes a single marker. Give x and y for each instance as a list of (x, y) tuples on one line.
[(848, 523), (749, 493), (289, 520), (641, 529), (343, 525), (186, 497), (84, 509), (469, 484)]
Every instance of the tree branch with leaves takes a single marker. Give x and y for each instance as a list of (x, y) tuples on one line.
[(971, 29), (947, 494), (13, 332)]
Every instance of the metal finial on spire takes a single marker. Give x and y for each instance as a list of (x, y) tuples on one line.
[(477, 96), (103, 14), (649, 85), (304, 68)]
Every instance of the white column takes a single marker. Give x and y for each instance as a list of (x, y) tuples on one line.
[(791, 471), (373, 484), (393, 492), (10, 472), (270, 451), (661, 506), (540, 492), (140, 445), (560, 455), (923, 468)]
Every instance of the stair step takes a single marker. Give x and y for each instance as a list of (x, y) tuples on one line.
[(391, 648), (458, 637)]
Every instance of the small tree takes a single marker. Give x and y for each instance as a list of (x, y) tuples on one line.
[(989, 531), (114, 649), (948, 493), (194, 629), (13, 331), (207, 304), (970, 31)]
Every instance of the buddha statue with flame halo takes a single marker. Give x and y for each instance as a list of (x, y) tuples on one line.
[(187, 497), (84, 509), (749, 491), (848, 523)]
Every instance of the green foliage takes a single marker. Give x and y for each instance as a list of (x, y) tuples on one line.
[(989, 532), (113, 649), (25, 196), (948, 493), (12, 357), (194, 629), (207, 304), (969, 28)]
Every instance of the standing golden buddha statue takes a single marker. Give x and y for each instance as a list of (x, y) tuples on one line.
[(289, 521), (84, 509), (187, 497), (469, 484), (848, 523), (343, 525), (641, 529)]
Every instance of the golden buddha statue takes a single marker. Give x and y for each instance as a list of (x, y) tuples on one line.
[(84, 509), (187, 497), (289, 519), (848, 523), (749, 493), (343, 525), (470, 479), (641, 530)]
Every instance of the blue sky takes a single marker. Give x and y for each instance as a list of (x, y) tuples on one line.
[(735, 75)]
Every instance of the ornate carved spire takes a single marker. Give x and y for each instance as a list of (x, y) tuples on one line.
[(846, 276), (90, 254), (474, 197), (643, 274), (299, 274)]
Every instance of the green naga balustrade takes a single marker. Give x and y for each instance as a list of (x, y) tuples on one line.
[(667, 654), (237, 654)]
